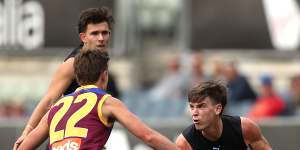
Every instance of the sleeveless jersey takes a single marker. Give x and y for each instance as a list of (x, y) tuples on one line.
[(76, 121), (74, 85), (231, 138)]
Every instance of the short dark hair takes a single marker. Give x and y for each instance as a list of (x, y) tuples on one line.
[(89, 64), (213, 89), (94, 16)]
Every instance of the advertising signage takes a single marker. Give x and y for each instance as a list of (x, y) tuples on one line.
[(33, 24)]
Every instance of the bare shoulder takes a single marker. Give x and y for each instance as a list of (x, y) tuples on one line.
[(65, 70), (253, 136), (61, 79), (248, 125), (111, 105), (182, 143), (250, 130), (112, 101), (68, 65)]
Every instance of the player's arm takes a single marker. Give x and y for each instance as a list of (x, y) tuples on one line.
[(113, 108), (60, 81), (37, 136), (182, 143), (253, 136)]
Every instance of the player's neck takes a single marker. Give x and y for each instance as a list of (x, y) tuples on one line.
[(100, 85), (215, 130)]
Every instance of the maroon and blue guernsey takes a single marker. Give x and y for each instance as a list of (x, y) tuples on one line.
[(76, 121)]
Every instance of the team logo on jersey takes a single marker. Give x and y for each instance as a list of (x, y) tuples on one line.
[(67, 144), (216, 147)]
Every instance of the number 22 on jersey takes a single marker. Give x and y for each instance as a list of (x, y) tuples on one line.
[(70, 129)]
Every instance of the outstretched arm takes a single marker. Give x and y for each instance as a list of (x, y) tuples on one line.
[(253, 136), (182, 143), (116, 109), (37, 136), (60, 81)]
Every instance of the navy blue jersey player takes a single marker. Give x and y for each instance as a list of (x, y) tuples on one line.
[(213, 131)]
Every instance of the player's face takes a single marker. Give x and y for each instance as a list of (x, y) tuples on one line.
[(204, 113), (96, 36)]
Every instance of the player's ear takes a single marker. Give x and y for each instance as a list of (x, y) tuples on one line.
[(218, 109), (104, 76), (82, 37), (106, 73)]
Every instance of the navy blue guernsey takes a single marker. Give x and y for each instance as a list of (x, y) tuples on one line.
[(231, 138), (74, 85)]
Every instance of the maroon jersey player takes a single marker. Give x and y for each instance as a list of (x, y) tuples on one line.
[(84, 119)]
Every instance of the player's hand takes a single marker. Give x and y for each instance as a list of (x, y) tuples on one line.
[(19, 141), (26, 131)]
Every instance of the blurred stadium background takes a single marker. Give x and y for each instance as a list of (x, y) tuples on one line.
[(258, 36)]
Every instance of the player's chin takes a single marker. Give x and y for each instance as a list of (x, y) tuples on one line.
[(102, 48), (199, 126)]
